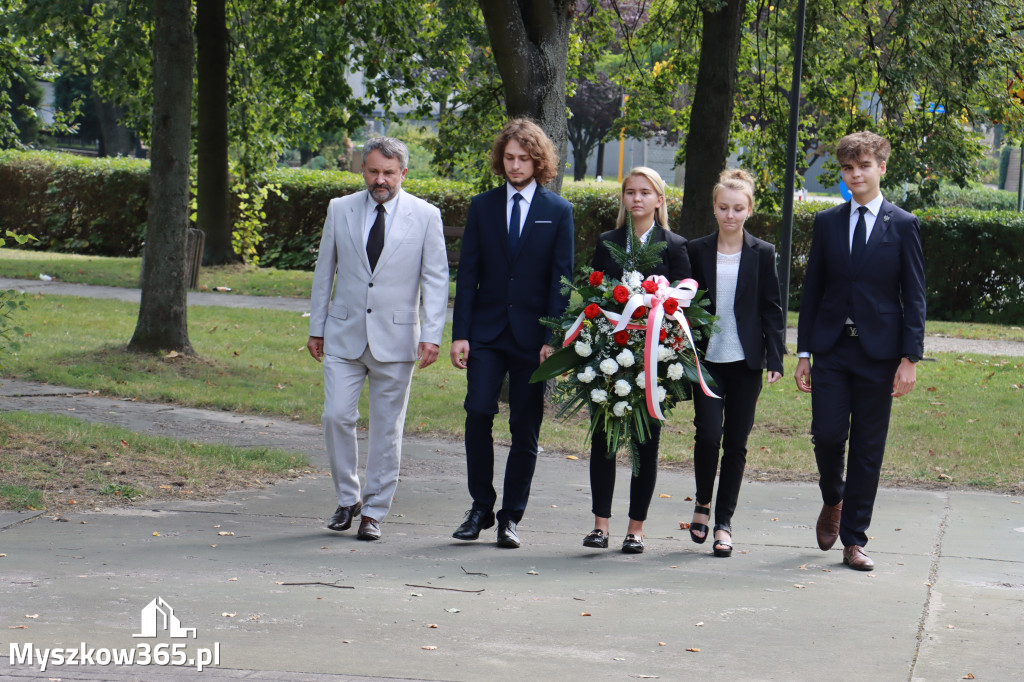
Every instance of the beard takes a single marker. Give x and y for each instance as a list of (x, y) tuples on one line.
[(382, 193)]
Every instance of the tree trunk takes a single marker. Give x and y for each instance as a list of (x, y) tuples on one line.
[(707, 143), (530, 40), (115, 139), (212, 139), (162, 323)]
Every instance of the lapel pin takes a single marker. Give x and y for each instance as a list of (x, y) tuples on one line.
[(885, 218)]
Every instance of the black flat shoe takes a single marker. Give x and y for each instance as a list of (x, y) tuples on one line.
[(633, 544), (721, 548), (702, 527), (597, 539)]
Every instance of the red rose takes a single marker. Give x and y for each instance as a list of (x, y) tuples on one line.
[(621, 338), (671, 306), (639, 313), (592, 311), (649, 286), (596, 277), (620, 293), (662, 335)]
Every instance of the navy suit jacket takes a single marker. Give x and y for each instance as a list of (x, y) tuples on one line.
[(495, 289), (885, 296), (675, 265), (757, 306)]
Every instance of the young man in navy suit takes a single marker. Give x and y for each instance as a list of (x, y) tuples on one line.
[(862, 318), (517, 246)]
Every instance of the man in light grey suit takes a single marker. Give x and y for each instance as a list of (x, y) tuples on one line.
[(382, 254)]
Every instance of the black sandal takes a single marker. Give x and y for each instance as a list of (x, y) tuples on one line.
[(722, 548), (700, 526)]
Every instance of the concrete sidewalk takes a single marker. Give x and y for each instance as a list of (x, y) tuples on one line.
[(260, 578)]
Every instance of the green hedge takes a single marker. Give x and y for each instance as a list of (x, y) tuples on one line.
[(974, 259)]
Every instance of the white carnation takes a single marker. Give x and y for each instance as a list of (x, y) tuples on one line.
[(587, 375), (620, 408), (632, 279), (640, 382), (665, 353), (625, 358), (675, 371), (599, 396), (622, 387), (660, 393), (609, 366), (583, 349)]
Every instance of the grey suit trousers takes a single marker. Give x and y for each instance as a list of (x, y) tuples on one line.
[(389, 397)]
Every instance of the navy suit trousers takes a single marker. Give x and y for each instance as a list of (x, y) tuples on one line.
[(488, 364), (851, 399)]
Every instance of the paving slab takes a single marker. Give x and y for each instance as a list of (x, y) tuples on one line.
[(280, 597)]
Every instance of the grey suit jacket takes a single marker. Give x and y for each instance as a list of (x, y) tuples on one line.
[(380, 308)]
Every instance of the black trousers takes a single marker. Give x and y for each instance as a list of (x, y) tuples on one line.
[(641, 486), (724, 424), (851, 400), (488, 364)]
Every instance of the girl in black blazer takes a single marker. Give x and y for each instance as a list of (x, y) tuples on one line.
[(739, 274), (643, 197)]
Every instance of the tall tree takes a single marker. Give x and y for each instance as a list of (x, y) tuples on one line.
[(594, 107), (530, 40), (707, 144), (162, 323), (212, 135)]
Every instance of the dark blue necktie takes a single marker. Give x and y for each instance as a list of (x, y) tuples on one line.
[(859, 238), (513, 223)]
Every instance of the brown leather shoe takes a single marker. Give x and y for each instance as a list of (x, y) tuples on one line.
[(828, 525), (342, 519), (855, 558), (369, 529)]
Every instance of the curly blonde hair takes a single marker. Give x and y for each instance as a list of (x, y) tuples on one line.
[(534, 141)]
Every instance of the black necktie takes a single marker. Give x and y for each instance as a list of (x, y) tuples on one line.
[(859, 238), (513, 223), (375, 242)]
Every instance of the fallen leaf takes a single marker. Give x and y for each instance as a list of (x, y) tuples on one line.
[(452, 610), (225, 532), (124, 444), (694, 649), (232, 580), (17, 627), (571, 457), (683, 525), (155, 534), (951, 627), (172, 354), (532, 572), (213, 545), (36, 615), (432, 625), (585, 614), (775, 519), (799, 586), (688, 499), (428, 648), (165, 487), (663, 495), (662, 644), (415, 594), (700, 624), (803, 567), (968, 676), (228, 615)]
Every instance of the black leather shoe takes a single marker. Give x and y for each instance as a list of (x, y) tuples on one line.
[(476, 520), (507, 535), (597, 539), (633, 544), (342, 519), (369, 529)]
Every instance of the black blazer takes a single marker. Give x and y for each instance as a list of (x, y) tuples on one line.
[(495, 289), (758, 308), (885, 297), (675, 264)]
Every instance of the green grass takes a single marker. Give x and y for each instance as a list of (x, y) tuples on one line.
[(961, 426), (52, 461)]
